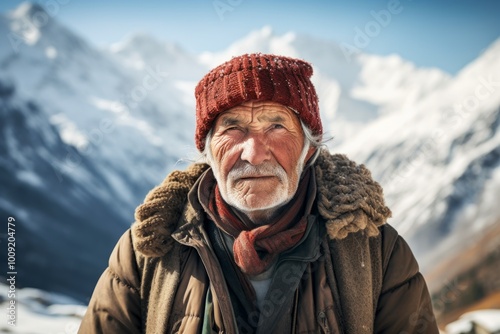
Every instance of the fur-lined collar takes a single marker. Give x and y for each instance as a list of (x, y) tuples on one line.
[(348, 200)]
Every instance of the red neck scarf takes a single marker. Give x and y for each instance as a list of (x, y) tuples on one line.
[(256, 247)]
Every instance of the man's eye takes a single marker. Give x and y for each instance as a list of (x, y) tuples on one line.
[(233, 128), (277, 126)]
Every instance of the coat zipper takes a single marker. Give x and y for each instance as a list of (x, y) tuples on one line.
[(217, 281), (295, 310), (323, 323), (222, 293)]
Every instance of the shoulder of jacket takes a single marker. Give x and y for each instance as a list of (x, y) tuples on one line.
[(158, 216), (348, 198), (389, 236), (122, 264), (399, 263)]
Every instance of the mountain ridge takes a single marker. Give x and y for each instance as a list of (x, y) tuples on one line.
[(105, 126)]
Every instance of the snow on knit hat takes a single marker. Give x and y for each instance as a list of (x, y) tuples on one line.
[(260, 77)]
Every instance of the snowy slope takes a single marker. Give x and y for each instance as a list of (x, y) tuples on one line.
[(64, 220), (83, 140), (98, 105), (439, 160), (488, 320), (139, 51), (40, 312)]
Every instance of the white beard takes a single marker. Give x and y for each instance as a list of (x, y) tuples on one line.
[(279, 197)]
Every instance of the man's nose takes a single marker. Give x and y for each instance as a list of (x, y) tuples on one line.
[(255, 150)]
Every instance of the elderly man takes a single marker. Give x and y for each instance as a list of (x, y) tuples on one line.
[(272, 235)]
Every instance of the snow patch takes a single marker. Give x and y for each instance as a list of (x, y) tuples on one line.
[(41, 312), (51, 52), (69, 131), (108, 105), (29, 177), (488, 319)]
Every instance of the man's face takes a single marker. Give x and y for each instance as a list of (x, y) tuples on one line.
[(257, 155)]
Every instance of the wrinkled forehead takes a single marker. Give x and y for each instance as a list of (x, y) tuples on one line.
[(257, 111)]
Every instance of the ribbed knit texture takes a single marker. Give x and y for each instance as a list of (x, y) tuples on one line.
[(258, 77)]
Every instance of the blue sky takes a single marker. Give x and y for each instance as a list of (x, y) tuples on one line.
[(443, 34)]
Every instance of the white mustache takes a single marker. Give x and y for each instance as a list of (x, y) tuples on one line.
[(243, 170)]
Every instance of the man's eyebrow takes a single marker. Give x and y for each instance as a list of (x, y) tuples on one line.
[(229, 120), (272, 118)]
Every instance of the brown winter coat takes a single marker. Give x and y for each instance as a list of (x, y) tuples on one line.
[(161, 269)]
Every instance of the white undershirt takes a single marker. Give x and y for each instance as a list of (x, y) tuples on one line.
[(259, 282)]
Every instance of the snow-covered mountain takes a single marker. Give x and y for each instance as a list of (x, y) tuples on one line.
[(58, 206), (82, 141), (85, 133), (139, 50), (439, 161)]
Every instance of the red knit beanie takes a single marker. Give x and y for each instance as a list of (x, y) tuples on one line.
[(260, 77)]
